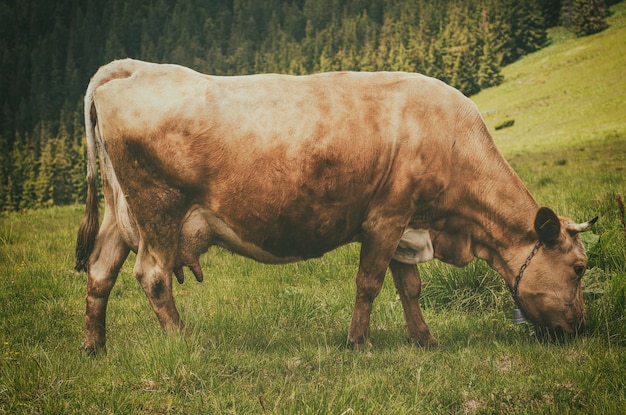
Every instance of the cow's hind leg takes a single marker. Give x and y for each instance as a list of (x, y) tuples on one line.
[(153, 270), (407, 280), (109, 254)]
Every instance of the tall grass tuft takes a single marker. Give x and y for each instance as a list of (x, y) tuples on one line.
[(475, 288)]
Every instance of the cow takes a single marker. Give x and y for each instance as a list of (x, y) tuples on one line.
[(282, 168)]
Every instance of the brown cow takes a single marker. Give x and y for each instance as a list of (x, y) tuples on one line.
[(284, 168)]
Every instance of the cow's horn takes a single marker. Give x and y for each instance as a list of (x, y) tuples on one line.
[(581, 227)]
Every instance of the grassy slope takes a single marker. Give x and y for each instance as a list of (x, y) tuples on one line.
[(567, 94), (270, 338)]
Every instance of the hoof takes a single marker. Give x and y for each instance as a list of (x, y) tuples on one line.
[(93, 351), (361, 345), (428, 343)]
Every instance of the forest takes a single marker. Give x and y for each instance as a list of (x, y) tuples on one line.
[(50, 48)]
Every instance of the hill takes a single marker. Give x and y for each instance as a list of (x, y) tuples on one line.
[(568, 94)]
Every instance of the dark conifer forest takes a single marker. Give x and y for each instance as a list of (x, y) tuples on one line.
[(50, 48)]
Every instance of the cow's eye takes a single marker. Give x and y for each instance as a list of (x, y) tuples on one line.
[(580, 270)]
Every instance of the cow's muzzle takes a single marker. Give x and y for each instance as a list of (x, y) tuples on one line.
[(560, 334)]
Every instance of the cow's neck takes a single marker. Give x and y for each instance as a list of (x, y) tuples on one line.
[(489, 214)]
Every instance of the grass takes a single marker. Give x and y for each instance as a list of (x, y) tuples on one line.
[(271, 339)]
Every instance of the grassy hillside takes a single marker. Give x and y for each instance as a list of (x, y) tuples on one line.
[(270, 339), (567, 94)]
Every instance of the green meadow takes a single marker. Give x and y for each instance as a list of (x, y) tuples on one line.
[(271, 339)]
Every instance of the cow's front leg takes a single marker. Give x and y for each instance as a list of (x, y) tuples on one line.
[(108, 255), (368, 286), (154, 271), (377, 248), (407, 280)]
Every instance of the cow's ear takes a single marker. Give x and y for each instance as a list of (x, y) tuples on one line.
[(547, 225)]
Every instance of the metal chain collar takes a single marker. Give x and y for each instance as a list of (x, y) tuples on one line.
[(522, 269)]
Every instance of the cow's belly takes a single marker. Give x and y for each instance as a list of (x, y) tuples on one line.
[(202, 229)]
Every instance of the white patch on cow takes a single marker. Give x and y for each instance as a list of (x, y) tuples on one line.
[(126, 225), (127, 228), (415, 246)]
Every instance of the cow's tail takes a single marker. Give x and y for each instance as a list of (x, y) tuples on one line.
[(89, 225)]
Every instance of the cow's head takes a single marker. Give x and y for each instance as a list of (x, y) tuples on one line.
[(548, 286)]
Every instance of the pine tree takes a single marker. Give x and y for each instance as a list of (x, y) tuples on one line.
[(28, 198), (459, 64), (488, 68), (5, 172), (113, 48), (527, 28), (62, 189), (584, 17), (44, 181), (464, 73), (434, 59), (21, 184), (489, 59), (14, 180), (78, 167), (551, 10)]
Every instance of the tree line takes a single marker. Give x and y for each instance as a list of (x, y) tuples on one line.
[(50, 48)]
